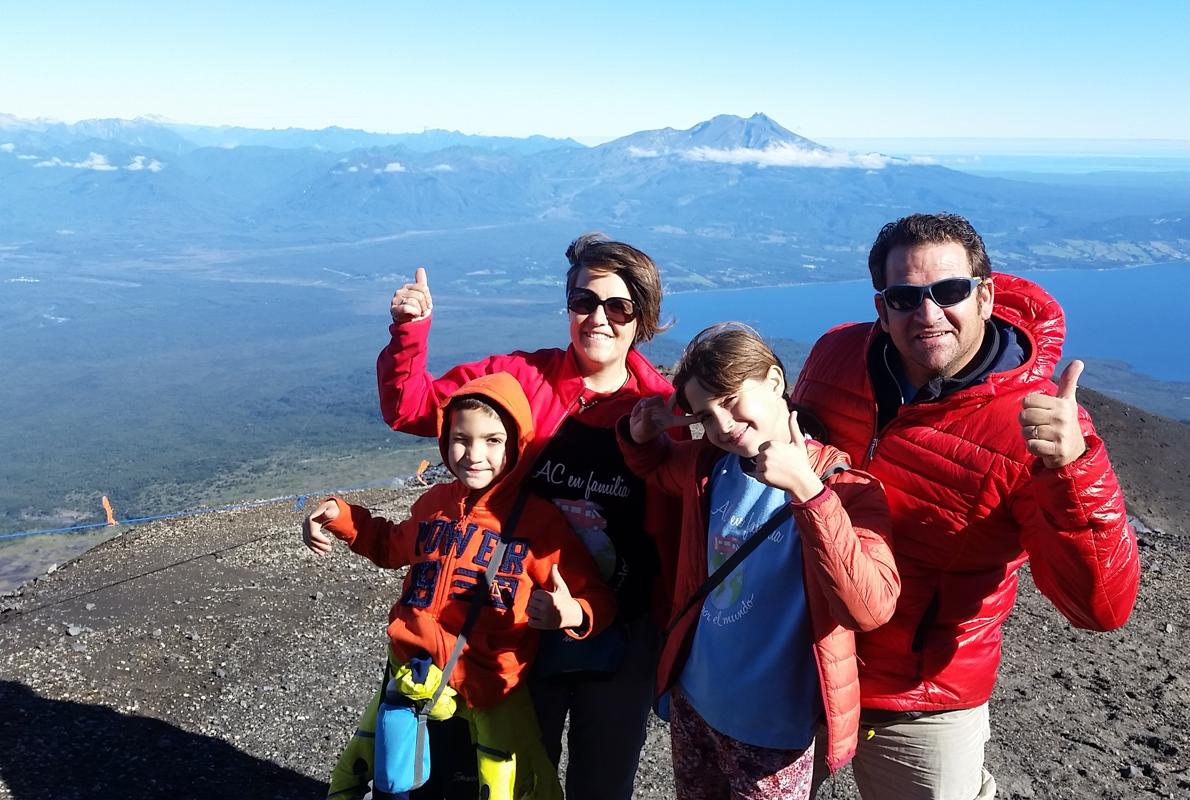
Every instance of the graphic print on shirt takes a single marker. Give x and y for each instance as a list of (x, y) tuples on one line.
[(739, 506), (582, 472), (730, 531), (442, 542)]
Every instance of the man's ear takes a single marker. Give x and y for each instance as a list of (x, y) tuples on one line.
[(881, 311), (987, 299)]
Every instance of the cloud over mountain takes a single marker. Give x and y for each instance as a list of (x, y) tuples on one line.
[(94, 161)]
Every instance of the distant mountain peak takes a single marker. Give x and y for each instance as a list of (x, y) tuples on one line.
[(722, 132)]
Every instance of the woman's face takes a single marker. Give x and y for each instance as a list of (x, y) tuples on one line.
[(600, 343)]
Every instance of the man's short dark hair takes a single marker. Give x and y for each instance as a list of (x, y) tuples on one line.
[(918, 229)]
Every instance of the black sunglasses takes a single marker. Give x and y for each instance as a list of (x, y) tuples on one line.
[(619, 310), (945, 293)]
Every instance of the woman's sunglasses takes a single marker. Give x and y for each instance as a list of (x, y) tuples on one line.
[(619, 310), (945, 293)]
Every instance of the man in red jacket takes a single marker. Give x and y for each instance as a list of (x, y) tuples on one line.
[(949, 401)]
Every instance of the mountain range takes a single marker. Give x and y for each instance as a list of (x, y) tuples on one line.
[(730, 201)]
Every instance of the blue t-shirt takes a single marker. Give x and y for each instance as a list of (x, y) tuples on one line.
[(751, 673)]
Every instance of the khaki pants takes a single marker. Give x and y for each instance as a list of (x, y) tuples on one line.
[(938, 756)]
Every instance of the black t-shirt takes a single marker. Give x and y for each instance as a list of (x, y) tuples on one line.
[(582, 471)]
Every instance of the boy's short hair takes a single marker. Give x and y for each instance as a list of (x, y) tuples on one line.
[(479, 402), (597, 253), (721, 358)]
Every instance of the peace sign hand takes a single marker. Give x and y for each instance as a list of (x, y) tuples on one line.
[(786, 465), (412, 302), (652, 415)]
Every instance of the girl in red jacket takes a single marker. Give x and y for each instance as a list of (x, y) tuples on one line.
[(545, 580), (753, 669)]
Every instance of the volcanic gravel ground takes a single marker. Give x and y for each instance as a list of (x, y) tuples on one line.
[(213, 655)]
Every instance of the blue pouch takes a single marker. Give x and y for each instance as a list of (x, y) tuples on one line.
[(402, 757)]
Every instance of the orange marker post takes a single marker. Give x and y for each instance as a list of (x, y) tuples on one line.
[(107, 509)]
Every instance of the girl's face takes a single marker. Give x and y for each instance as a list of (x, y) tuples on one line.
[(600, 343), (745, 419)]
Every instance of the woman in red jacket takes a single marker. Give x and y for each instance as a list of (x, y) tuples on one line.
[(613, 295)]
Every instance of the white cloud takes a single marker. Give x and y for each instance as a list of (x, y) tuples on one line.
[(442, 168), (353, 168), (28, 157), (8, 147), (786, 155), (394, 166), (93, 161), (139, 163)]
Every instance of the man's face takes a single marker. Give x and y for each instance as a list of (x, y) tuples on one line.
[(934, 341)]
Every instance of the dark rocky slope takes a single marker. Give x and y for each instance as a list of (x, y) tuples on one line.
[(214, 655)]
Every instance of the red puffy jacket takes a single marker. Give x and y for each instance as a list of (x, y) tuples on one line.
[(969, 505)]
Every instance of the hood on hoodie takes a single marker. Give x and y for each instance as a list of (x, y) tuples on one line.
[(503, 391)]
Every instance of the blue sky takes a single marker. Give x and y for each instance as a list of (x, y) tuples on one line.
[(1063, 69)]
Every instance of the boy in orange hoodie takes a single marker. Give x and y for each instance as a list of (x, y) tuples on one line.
[(448, 542)]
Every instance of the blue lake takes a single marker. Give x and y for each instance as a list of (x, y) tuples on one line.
[(1133, 315)]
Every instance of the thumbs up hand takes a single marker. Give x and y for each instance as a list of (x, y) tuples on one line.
[(1050, 424), (786, 465), (551, 609), (412, 301)]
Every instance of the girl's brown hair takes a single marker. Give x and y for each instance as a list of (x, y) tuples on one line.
[(721, 358)]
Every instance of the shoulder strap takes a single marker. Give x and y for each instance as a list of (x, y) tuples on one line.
[(482, 592), (478, 600), (779, 518)]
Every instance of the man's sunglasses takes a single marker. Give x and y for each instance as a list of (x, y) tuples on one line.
[(619, 310), (945, 293)]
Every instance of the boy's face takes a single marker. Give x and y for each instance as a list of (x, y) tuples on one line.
[(744, 420), (475, 451)]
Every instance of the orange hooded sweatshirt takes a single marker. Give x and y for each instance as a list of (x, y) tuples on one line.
[(448, 541)]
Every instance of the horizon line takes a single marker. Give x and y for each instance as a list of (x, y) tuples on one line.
[(586, 139)]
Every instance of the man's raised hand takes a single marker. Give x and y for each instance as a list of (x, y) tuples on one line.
[(312, 534), (652, 416), (412, 302), (1050, 424)]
